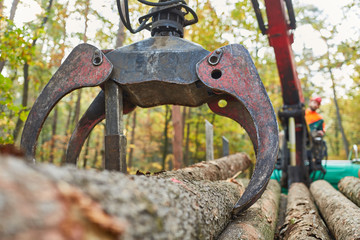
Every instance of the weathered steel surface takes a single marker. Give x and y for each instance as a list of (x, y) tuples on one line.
[(115, 140), (250, 106), (159, 70), (93, 115), (76, 72)]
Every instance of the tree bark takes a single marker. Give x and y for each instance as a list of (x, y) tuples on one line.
[(178, 136), (110, 205), (350, 187), (302, 218), (340, 214), (219, 169), (259, 221)]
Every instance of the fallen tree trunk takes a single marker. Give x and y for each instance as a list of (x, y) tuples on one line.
[(350, 187), (259, 221), (220, 169), (340, 214), (45, 202), (302, 218)]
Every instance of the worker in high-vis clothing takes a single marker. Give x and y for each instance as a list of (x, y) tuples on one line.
[(314, 119), (317, 130)]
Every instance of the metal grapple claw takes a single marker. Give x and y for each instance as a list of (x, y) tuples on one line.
[(157, 71), (230, 70), (86, 66)]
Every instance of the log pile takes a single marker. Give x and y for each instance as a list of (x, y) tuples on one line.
[(302, 218), (350, 187), (48, 202), (341, 215)]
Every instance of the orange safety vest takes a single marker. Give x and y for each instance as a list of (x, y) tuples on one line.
[(314, 120)]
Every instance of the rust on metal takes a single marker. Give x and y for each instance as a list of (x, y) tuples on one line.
[(249, 105), (76, 72)]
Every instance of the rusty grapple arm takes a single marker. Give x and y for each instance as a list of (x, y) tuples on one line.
[(157, 71)]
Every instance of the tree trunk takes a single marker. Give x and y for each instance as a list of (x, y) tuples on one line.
[(110, 205), (338, 115), (350, 187), (302, 218), (19, 122), (24, 102), (77, 109), (340, 214), (120, 36), (52, 145), (220, 169), (178, 137), (11, 17), (13, 9), (67, 130), (259, 221), (132, 140)]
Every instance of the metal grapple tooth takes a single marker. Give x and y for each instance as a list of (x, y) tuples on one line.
[(93, 115), (230, 72), (86, 66)]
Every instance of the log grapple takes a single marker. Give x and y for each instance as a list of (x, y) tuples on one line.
[(163, 69)]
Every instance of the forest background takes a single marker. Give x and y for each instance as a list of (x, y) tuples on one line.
[(31, 52)]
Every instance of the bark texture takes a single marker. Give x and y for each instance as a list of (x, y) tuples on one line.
[(259, 221), (44, 202), (302, 218), (219, 169), (340, 214), (350, 187)]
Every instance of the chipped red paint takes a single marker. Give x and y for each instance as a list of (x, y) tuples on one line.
[(280, 38), (76, 72), (248, 104)]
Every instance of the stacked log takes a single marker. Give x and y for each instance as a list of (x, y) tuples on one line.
[(302, 219), (341, 215), (259, 221), (350, 187), (48, 202)]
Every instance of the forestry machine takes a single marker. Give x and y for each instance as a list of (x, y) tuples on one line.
[(163, 69), (300, 153)]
